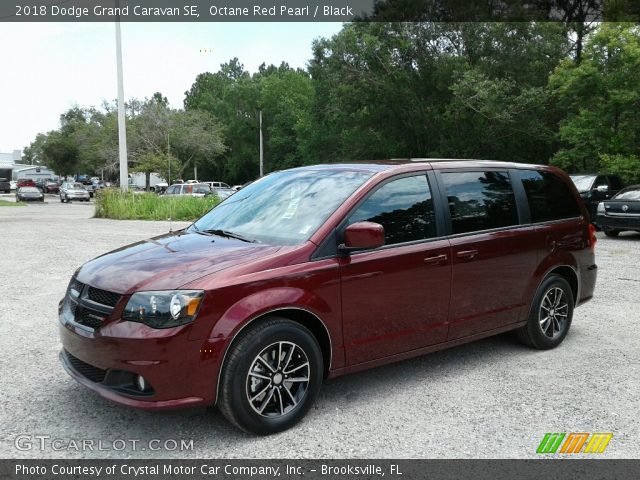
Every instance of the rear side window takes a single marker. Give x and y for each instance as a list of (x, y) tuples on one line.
[(480, 200), (549, 197), (403, 207)]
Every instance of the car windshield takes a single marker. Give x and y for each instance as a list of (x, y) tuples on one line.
[(77, 186), (283, 208), (583, 182), (629, 194)]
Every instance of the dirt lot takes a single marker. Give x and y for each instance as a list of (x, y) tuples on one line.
[(493, 398)]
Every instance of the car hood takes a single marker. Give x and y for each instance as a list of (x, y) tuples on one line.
[(168, 262)]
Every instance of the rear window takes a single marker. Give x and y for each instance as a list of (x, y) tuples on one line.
[(548, 196), (480, 200)]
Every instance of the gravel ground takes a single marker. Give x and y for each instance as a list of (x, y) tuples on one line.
[(489, 399)]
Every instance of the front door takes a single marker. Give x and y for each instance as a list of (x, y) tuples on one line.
[(396, 298)]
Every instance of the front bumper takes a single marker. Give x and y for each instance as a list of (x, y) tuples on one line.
[(78, 196), (180, 372), (618, 222)]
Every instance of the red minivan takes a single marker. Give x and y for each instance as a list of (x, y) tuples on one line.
[(320, 271)]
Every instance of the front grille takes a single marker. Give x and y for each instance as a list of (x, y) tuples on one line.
[(90, 372), (90, 306), (89, 318), (76, 285), (103, 297)]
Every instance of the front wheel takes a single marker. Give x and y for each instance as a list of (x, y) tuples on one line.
[(550, 316), (609, 232), (271, 377)]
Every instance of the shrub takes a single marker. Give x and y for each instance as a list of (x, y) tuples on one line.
[(111, 203)]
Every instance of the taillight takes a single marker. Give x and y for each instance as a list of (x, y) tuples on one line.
[(592, 236)]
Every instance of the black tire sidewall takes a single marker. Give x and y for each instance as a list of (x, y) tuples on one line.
[(236, 375), (538, 336)]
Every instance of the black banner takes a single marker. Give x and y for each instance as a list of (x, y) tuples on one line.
[(583, 469), (317, 10)]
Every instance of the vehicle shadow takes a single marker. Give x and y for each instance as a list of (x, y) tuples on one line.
[(210, 431)]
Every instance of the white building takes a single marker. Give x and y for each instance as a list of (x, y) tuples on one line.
[(11, 162), (10, 158)]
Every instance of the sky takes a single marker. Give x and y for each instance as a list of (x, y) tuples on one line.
[(46, 68)]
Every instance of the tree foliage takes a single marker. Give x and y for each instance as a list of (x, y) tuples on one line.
[(601, 102), (565, 92)]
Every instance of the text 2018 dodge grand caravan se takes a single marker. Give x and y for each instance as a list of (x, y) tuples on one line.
[(320, 271)]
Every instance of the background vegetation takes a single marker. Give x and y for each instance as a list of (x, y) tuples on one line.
[(561, 93), (112, 203)]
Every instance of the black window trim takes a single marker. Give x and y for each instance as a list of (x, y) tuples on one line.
[(328, 248), (444, 228)]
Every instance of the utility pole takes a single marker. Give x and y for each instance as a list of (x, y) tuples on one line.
[(122, 128), (261, 148)]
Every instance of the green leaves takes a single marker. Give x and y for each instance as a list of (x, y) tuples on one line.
[(601, 101)]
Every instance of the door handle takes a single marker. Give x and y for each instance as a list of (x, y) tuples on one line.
[(435, 260), (467, 254)]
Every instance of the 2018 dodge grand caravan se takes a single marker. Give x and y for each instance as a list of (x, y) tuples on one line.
[(325, 270)]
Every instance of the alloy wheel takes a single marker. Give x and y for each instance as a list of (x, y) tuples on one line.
[(554, 312), (278, 379)]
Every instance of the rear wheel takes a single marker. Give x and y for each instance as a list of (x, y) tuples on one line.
[(271, 377), (550, 316), (610, 232)]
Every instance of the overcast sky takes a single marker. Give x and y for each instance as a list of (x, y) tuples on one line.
[(48, 67)]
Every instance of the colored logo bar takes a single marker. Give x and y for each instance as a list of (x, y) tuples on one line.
[(574, 442)]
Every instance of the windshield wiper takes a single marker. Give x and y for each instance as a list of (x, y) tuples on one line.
[(228, 234)]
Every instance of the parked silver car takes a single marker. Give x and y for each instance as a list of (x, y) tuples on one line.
[(223, 193), (73, 191), (191, 189)]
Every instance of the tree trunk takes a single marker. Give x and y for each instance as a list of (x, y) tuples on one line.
[(147, 180)]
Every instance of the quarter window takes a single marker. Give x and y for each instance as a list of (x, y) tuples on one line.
[(480, 200), (549, 197), (404, 208)]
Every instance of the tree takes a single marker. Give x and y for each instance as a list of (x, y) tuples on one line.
[(160, 135), (60, 153), (601, 101)]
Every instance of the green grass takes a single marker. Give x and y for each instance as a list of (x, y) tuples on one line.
[(4, 203), (111, 203)]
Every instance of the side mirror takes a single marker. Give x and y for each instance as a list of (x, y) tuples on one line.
[(602, 188), (362, 236)]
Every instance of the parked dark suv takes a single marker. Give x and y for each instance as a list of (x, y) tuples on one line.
[(321, 271), (594, 189)]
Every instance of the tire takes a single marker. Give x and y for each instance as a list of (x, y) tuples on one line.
[(536, 332), (61, 199), (611, 233), (254, 393)]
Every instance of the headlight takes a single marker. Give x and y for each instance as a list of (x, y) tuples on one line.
[(601, 207), (163, 309)]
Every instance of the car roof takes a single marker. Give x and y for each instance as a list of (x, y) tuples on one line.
[(408, 164)]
